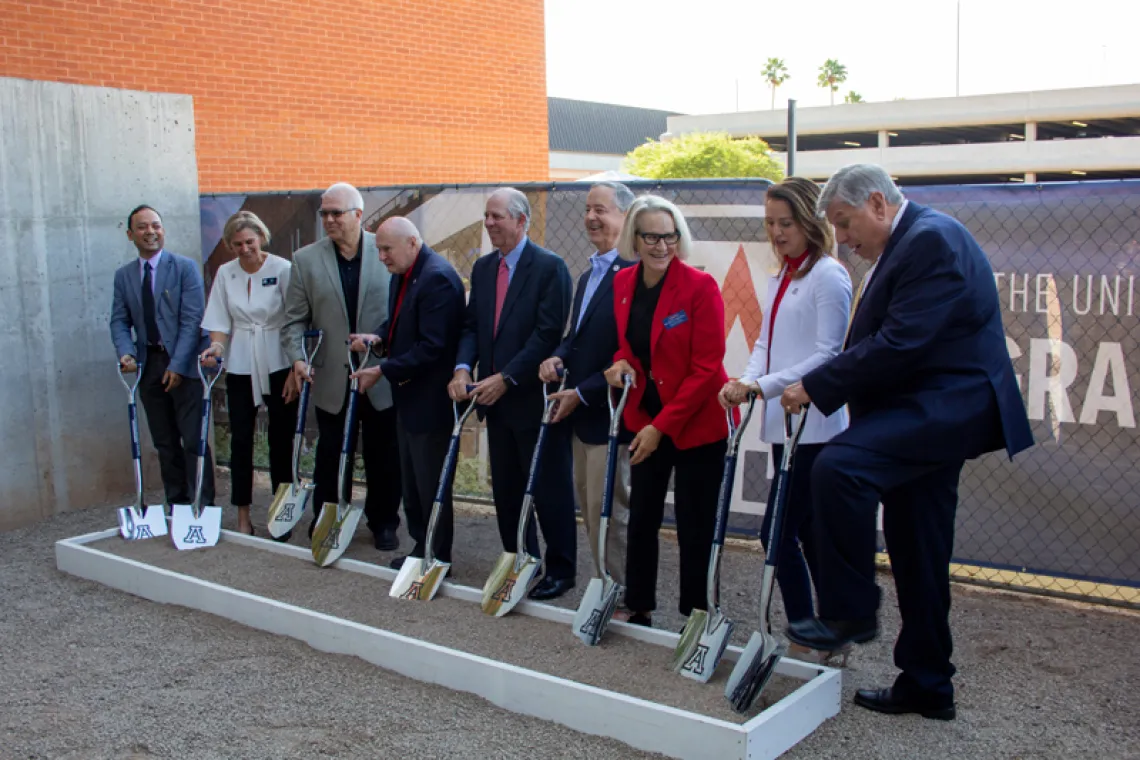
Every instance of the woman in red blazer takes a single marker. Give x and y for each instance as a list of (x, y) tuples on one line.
[(670, 320)]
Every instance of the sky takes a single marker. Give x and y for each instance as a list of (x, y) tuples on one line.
[(705, 56)]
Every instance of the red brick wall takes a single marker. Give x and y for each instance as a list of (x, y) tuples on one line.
[(297, 94)]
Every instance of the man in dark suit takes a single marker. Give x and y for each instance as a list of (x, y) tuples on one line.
[(161, 297), (586, 351), (929, 384), (418, 342), (517, 310)]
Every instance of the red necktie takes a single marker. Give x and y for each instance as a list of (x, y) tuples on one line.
[(501, 284)]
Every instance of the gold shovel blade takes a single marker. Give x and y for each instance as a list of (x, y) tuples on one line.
[(710, 648), (690, 637), (417, 580), (507, 586), (334, 533)]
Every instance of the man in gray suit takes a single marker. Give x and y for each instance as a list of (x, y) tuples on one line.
[(338, 285), (160, 296)]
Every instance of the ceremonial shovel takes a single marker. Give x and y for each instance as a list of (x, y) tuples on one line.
[(289, 504), (138, 521), (195, 526)]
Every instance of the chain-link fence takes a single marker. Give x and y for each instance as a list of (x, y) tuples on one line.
[(1063, 519)]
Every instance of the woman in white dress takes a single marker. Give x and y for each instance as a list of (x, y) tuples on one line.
[(805, 322), (246, 310)]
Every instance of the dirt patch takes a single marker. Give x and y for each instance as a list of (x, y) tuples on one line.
[(619, 663)]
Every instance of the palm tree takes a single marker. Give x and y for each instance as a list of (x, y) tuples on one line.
[(832, 74), (775, 74), (852, 97)]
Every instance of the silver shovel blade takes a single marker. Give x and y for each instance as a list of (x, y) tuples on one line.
[(702, 662), (190, 532), (128, 519), (418, 579), (596, 610), (753, 670)]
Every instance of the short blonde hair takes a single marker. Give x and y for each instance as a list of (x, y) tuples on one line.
[(626, 241), (245, 220)]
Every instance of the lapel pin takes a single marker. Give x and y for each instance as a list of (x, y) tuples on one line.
[(616, 267)]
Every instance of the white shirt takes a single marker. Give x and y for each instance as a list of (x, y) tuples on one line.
[(894, 223), (153, 261), (250, 308)]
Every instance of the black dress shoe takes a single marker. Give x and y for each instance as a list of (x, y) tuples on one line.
[(885, 701), (397, 563), (551, 588), (386, 540), (830, 635)]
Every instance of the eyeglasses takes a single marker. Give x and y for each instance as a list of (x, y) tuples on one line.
[(652, 238), (335, 213)]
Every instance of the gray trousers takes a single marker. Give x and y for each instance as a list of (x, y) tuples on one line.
[(589, 483), (421, 461)]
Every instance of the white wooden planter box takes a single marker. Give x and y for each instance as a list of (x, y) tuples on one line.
[(637, 722)]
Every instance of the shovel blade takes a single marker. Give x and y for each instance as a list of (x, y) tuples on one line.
[(715, 635), (189, 532), (507, 586), (129, 518), (419, 580), (690, 637), (287, 508), (753, 671), (596, 610), (153, 522), (334, 533)]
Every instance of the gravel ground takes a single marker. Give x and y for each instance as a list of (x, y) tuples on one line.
[(88, 672)]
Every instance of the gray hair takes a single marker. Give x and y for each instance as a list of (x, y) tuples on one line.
[(855, 184), (626, 245), (623, 196), (517, 204), (355, 199)]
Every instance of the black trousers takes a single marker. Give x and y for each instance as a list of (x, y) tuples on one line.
[(243, 421), (511, 453), (796, 553), (919, 503), (698, 473), (421, 462), (175, 423), (377, 432)]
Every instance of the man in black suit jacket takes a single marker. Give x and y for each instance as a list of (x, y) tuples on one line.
[(520, 298), (586, 352), (418, 342)]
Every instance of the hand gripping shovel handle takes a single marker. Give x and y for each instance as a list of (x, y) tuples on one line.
[(204, 436)]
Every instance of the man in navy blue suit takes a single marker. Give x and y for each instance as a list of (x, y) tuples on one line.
[(586, 352), (160, 297), (929, 384), (516, 312), (418, 343)]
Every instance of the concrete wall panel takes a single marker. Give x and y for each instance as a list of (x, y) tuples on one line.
[(73, 161)]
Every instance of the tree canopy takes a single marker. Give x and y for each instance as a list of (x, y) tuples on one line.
[(696, 155)]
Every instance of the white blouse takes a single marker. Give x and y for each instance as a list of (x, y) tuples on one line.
[(250, 308)]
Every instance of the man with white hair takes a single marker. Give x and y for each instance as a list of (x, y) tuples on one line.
[(335, 287), (929, 384), (520, 299), (418, 340)]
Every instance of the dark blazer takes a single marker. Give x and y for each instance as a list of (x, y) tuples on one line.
[(421, 355), (687, 345), (179, 301), (926, 375), (531, 325), (588, 350)]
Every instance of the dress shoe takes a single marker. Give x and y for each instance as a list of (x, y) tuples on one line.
[(885, 701), (385, 540), (831, 635), (551, 588)]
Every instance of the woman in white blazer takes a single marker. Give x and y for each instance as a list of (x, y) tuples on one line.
[(247, 310), (805, 321)]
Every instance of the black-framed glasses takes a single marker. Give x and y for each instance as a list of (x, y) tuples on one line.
[(652, 238), (335, 213)]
